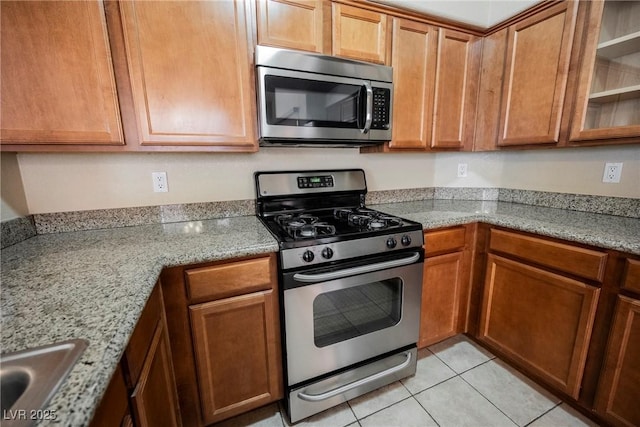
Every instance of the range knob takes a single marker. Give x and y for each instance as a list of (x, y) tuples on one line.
[(406, 240), (327, 253), (308, 256), (391, 243)]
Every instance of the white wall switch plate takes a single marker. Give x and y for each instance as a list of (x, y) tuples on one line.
[(160, 184), (612, 172)]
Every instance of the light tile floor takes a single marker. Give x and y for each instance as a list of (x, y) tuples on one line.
[(457, 383)]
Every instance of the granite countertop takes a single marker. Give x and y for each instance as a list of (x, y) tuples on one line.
[(94, 284), (606, 231)]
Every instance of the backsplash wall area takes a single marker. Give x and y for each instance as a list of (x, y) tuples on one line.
[(14, 202), (76, 182)]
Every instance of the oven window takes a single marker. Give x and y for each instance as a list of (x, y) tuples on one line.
[(347, 313), (311, 103)]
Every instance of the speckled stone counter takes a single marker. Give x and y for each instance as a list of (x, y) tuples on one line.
[(605, 231), (94, 284)]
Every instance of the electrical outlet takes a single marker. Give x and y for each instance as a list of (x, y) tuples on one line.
[(462, 170), (160, 184), (612, 172)]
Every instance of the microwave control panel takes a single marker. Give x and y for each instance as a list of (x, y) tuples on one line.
[(381, 107)]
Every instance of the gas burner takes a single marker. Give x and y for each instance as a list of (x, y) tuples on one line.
[(366, 218), (295, 221), (376, 223), (312, 230)]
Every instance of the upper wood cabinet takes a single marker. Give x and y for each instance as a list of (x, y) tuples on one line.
[(57, 78), (414, 69), (293, 24), (360, 34), (435, 77), (535, 77), (607, 103), (490, 92), (191, 73), (456, 90)]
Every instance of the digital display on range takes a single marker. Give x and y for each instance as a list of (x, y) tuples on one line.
[(323, 181)]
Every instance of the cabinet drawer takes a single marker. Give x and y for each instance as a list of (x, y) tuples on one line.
[(631, 281), (142, 336), (444, 240), (226, 280), (571, 259)]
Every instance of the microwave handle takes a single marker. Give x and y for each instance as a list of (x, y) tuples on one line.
[(368, 108)]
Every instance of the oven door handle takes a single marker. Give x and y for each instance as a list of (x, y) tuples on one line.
[(323, 277), (345, 388)]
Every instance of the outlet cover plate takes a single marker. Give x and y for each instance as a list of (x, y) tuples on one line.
[(462, 170), (612, 172), (160, 184)]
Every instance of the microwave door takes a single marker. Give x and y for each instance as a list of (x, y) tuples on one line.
[(300, 105)]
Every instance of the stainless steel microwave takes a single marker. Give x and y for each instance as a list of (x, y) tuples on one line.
[(307, 99)]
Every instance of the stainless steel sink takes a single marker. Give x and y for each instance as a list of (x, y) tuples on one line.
[(29, 378)]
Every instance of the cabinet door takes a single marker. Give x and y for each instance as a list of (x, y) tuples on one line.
[(56, 74), (293, 24), (154, 400), (541, 320), (619, 388), (237, 352), (359, 34), (191, 73), (113, 409), (535, 78), (456, 90), (490, 91), (441, 292), (414, 67), (608, 94)]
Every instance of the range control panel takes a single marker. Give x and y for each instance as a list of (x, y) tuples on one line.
[(315, 181)]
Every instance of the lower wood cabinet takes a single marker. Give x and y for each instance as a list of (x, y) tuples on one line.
[(225, 336), (142, 391), (237, 353), (540, 319), (154, 399), (114, 407), (445, 284), (619, 388)]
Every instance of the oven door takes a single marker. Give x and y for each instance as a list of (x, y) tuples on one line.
[(339, 317)]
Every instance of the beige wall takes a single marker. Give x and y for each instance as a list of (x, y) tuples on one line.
[(14, 203), (68, 182)]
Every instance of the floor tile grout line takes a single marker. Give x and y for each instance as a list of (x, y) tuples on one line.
[(543, 414), (425, 409), (489, 400), (432, 386), (466, 370), (381, 409)]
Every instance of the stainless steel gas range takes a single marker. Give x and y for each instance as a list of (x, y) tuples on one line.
[(350, 287)]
